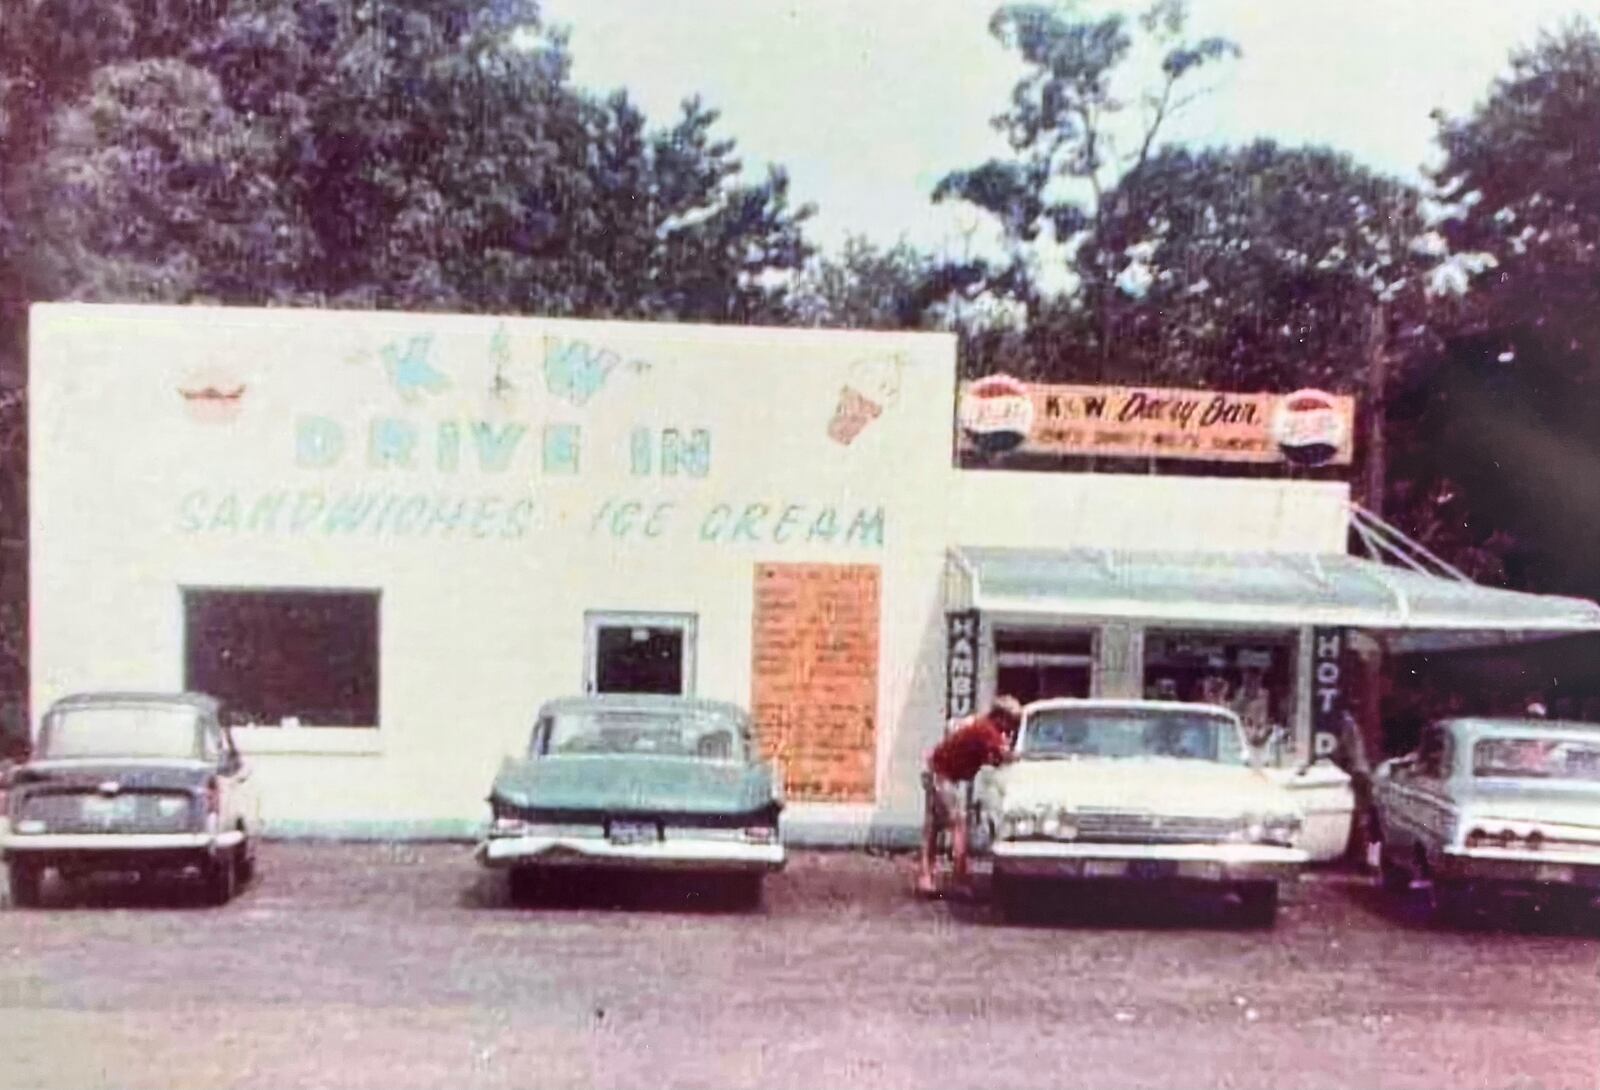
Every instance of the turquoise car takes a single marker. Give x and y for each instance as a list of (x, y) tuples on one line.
[(640, 784)]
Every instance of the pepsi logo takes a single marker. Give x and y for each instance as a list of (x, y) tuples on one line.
[(1308, 427), (996, 414)]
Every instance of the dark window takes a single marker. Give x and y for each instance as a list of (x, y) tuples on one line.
[(638, 659), (271, 655)]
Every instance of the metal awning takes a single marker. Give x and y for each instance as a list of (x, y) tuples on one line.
[(1408, 609)]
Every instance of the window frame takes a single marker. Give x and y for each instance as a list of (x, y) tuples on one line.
[(258, 731), (687, 624)]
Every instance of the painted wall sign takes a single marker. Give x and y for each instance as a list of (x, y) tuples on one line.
[(814, 677), (1330, 672), (960, 663), (1308, 427)]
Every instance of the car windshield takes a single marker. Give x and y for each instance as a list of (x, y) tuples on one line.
[(703, 735), (1129, 732), (125, 730), (1537, 759)]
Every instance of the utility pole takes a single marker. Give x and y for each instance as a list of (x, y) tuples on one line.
[(1375, 470), (1376, 464)]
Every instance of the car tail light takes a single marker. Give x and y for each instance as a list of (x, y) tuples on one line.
[(760, 834), (506, 825), (213, 798)]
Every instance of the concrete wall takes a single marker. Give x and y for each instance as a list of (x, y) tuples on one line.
[(509, 477)]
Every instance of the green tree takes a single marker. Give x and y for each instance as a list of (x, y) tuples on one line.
[(1069, 131), (1505, 420)]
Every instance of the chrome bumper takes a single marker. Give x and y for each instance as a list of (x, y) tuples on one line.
[(1513, 867), (678, 854), (1187, 862), (12, 844)]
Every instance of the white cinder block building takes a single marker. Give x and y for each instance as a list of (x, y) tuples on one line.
[(382, 539)]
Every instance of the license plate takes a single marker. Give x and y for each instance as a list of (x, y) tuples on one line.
[(108, 809), (1552, 872), (1104, 868), (1152, 868), (632, 832)]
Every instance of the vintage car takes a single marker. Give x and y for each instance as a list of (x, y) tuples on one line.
[(131, 782), (637, 783), (1508, 806), (1154, 792)]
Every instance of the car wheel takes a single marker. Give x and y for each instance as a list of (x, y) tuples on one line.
[(1392, 877), (1010, 896), (1449, 902), (26, 880), (523, 885), (746, 890), (1258, 904), (221, 878)]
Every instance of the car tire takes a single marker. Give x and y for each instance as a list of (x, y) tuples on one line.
[(1449, 902), (746, 890), (1010, 896), (221, 878), (522, 884), (26, 881), (1258, 904), (1392, 877)]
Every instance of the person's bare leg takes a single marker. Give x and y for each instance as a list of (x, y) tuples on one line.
[(927, 882), (958, 847)]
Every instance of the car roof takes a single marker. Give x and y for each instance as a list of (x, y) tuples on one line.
[(1128, 705), (642, 702), (112, 697), (1523, 726)]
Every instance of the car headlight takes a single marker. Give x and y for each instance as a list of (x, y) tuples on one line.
[(1045, 821), (1267, 829)]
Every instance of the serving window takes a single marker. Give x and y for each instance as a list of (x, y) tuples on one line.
[(284, 657), (1038, 663), (1251, 673)]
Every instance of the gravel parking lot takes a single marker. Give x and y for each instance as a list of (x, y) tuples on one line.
[(405, 965)]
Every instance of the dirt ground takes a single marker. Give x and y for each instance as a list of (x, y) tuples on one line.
[(405, 966)]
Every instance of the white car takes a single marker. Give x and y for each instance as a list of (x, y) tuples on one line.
[(1152, 792), (1488, 807)]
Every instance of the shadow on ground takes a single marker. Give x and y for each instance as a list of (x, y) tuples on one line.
[(580, 891), (1560, 915)]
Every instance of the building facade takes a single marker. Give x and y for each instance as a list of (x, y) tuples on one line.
[(383, 539)]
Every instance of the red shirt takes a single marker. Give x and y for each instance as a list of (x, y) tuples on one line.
[(965, 750)]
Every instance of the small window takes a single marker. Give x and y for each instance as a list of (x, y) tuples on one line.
[(283, 656), (640, 653)]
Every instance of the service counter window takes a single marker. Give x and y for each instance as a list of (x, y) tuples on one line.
[(1252, 673), (281, 657), (1039, 663)]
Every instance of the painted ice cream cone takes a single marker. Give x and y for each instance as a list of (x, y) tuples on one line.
[(870, 387), (854, 412)]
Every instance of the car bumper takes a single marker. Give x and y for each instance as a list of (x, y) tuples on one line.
[(1185, 862), (1491, 866), (110, 851), (680, 854)]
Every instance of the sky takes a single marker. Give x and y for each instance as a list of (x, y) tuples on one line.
[(868, 103)]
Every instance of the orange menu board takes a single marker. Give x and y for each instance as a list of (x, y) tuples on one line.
[(814, 679)]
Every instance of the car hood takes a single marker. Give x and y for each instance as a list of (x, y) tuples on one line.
[(635, 784), (1513, 800), (132, 774), (1154, 784)]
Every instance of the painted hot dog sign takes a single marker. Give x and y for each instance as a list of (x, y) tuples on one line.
[(1000, 414)]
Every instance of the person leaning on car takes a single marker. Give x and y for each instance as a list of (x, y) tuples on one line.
[(977, 743)]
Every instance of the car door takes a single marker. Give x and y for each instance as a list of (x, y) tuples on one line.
[(1418, 813), (237, 808)]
